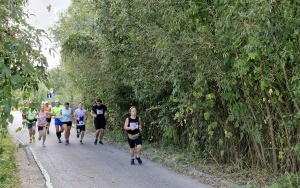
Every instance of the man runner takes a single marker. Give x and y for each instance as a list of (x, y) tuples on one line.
[(56, 111), (98, 112), (30, 119)]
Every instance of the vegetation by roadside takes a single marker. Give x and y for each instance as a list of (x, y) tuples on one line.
[(209, 170), (8, 167), (218, 80)]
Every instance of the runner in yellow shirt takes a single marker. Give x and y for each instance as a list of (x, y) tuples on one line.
[(29, 117), (56, 112)]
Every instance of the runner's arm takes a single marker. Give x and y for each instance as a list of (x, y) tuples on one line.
[(126, 125), (85, 117), (75, 116), (106, 114), (93, 114), (140, 124)]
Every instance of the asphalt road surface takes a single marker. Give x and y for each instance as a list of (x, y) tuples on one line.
[(88, 165)]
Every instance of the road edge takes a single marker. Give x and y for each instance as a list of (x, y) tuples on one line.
[(43, 171)]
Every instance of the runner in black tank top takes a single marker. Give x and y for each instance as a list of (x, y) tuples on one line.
[(133, 127)]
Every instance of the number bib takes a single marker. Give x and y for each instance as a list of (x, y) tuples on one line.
[(134, 125)]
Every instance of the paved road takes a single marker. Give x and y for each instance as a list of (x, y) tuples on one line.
[(90, 165)]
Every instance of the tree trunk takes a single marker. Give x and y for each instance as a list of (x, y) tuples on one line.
[(271, 129)]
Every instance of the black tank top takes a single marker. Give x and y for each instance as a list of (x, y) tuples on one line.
[(133, 123)]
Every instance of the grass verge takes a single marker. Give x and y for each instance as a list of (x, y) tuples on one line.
[(206, 170), (8, 167)]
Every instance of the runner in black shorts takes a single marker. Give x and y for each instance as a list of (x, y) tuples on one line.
[(98, 112), (80, 116), (30, 119), (66, 119), (48, 109), (42, 124), (133, 126)]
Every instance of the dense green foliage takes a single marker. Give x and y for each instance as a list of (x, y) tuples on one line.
[(22, 67), (220, 78)]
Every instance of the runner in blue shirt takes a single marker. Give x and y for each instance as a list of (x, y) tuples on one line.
[(66, 119)]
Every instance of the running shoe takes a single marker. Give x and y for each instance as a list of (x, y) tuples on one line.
[(139, 160), (39, 138), (59, 141), (67, 142), (132, 162), (100, 142), (33, 138), (77, 135), (95, 142), (80, 142), (43, 145), (30, 140)]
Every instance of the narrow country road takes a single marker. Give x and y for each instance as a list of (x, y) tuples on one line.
[(90, 165)]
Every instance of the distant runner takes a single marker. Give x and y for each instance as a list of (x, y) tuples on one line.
[(29, 117), (56, 112), (98, 112), (31, 123), (133, 126), (66, 120), (42, 125), (80, 116), (48, 117)]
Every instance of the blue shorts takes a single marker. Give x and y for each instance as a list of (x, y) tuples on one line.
[(57, 122)]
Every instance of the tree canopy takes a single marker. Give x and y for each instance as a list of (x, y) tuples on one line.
[(22, 64)]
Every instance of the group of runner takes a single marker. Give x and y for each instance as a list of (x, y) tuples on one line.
[(63, 117)]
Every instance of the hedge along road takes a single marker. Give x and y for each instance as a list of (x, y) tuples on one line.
[(90, 165)]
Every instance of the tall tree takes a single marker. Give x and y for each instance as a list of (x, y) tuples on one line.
[(22, 64)]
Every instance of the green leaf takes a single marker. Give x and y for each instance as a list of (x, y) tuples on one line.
[(16, 79), (206, 115), (6, 71), (18, 129)]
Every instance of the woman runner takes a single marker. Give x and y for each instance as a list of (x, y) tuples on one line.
[(47, 108), (42, 125), (66, 119), (80, 115), (133, 126)]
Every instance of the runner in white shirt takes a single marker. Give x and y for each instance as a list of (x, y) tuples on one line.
[(80, 116)]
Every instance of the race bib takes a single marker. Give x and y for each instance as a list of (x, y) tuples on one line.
[(134, 125), (99, 111), (81, 123)]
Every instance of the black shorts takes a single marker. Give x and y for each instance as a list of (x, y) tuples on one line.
[(31, 123), (69, 123), (133, 143), (99, 124), (80, 128), (48, 120), (40, 128)]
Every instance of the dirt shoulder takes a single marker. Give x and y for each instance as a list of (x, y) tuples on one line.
[(29, 172)]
